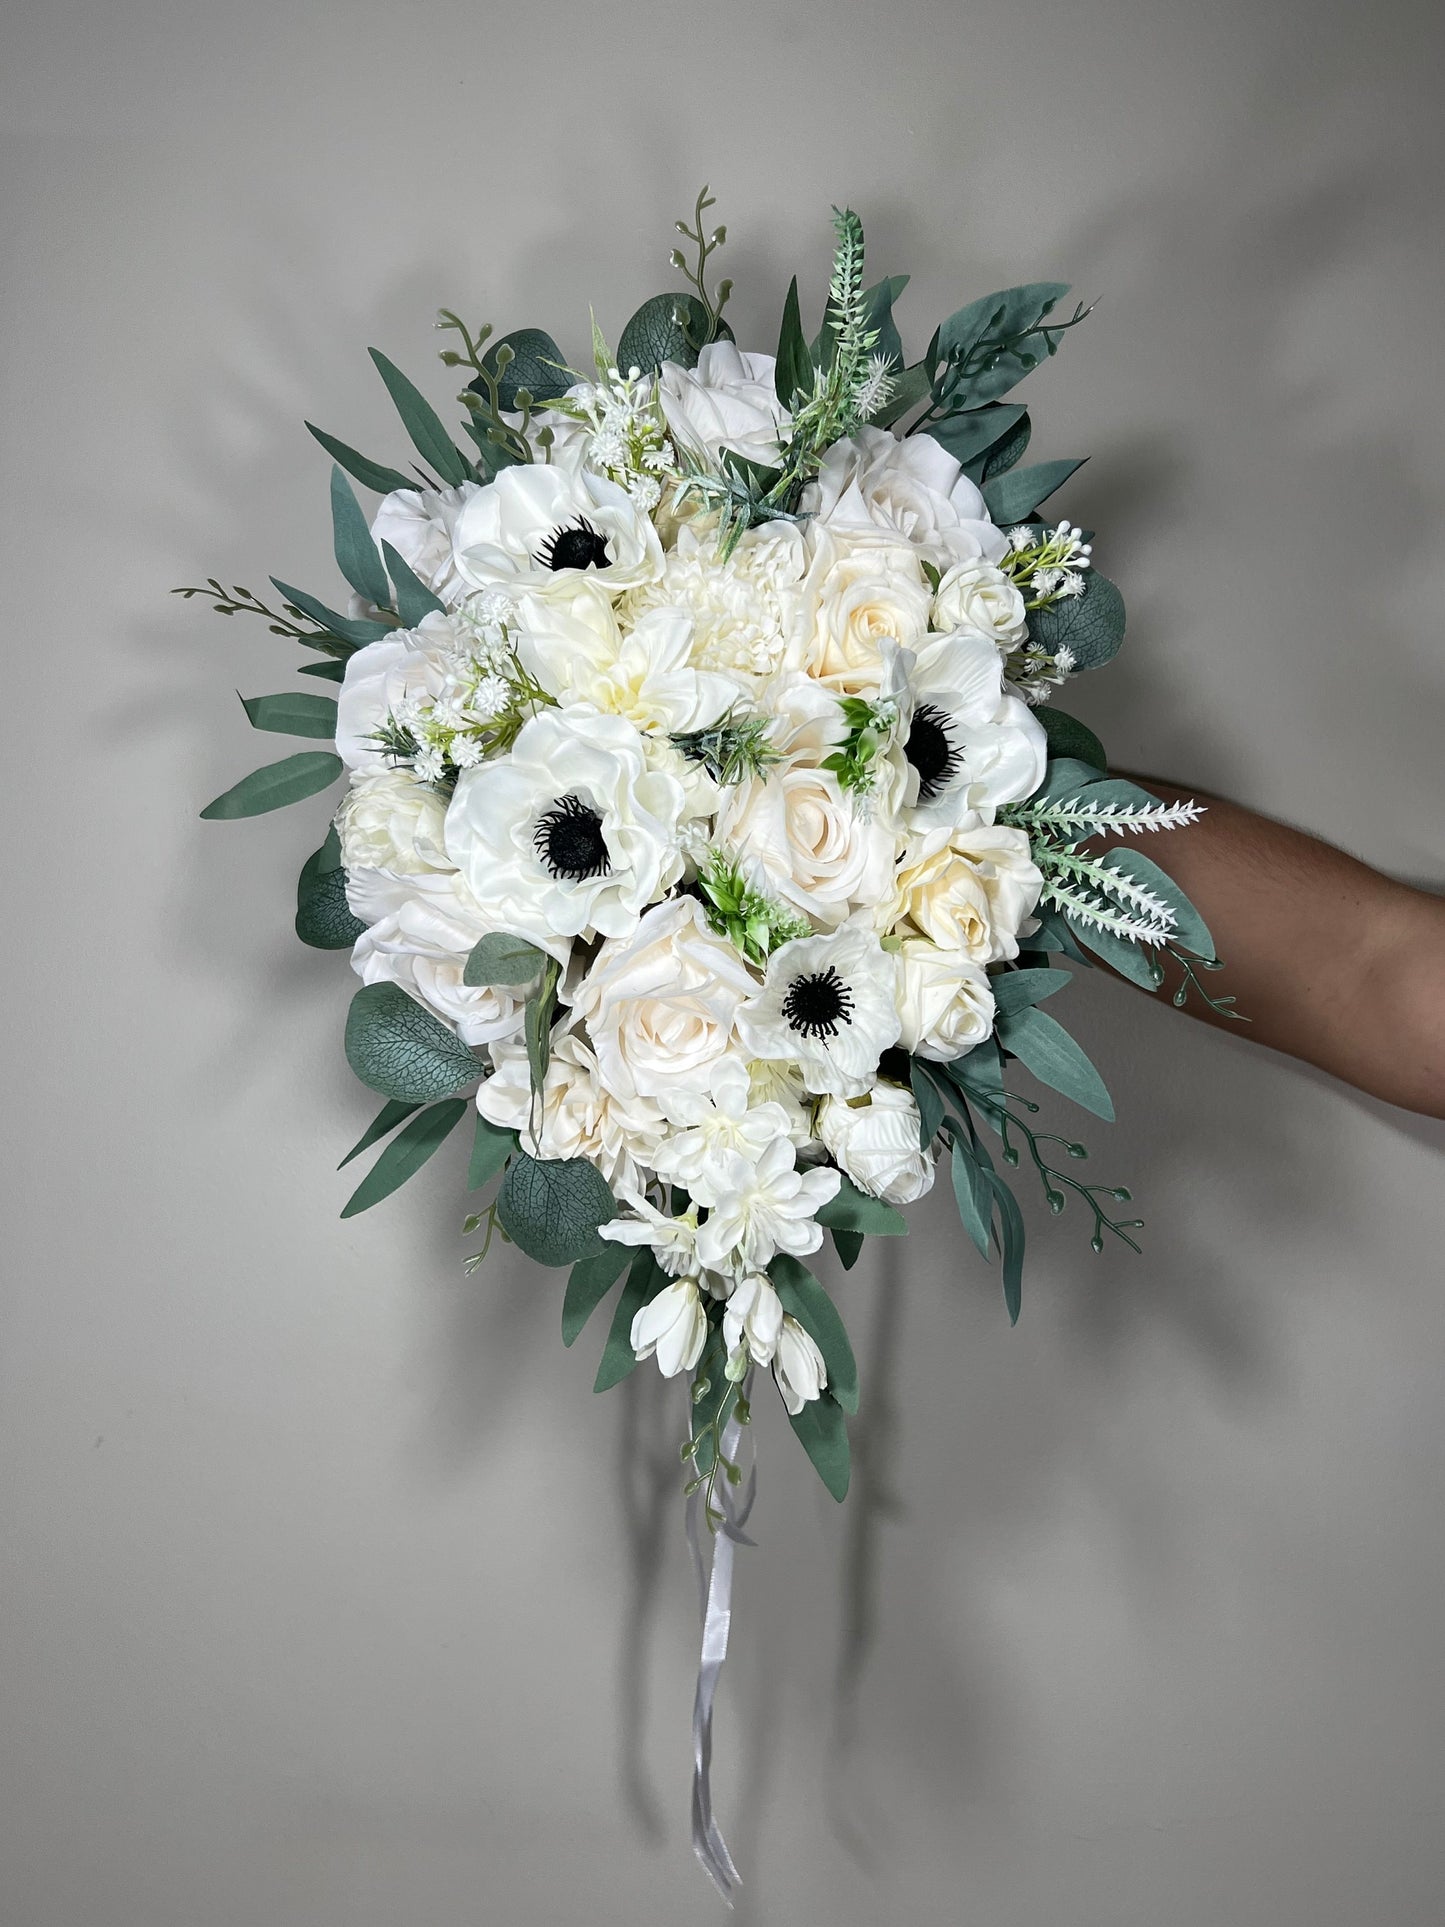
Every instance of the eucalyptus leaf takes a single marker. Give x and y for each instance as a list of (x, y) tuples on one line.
[(1017, 989), (654, 336), (372, 475), (382, 1125), (551, 1207), (1011, 1238), (324, 918), (353, 631), (331, 670), (793, 373), (414, 600), (293, 713), (806, 1300), (999, 319), (973, 1195), (1191, 932), (1091, 625), (854, 1210), (971, 432), (357, 555), (401, 1050), (1069, 738), (422, 423), (537, 1022), (499, 958), (1135, 961), (1055, 1059), (848, 1245), (1003, 455), (290, 781), (406, 1154), (823, 1431), (644, 1281), (1013, 497), (588, 1283), (537, 364), (491, 1147)]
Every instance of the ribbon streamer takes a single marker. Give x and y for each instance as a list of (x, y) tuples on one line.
[(715, 1590)]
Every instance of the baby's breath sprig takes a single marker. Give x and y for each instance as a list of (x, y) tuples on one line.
[(755, 923), (731, 750), (1047, 565)]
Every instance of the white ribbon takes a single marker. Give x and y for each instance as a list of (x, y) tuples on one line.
[(715, 1590)]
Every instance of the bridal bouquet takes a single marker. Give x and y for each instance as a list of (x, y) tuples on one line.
[(709, 834)]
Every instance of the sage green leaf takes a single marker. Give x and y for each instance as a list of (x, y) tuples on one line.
[(1011, 1238), (414, 600), (401, 1050), (654, 336), (588, 1283), (293, 714), (1191, 932), (1014, 497), (290, 781), (537, 1022), (491, 1147), (357, 555), (998, 318), (1135, 961), (878, 317), (1071, 739), (973, 1195), (537, 364), (405, 1155), (499, 958), (1055, 1059), (849, 1246), (422, 423), (386, 1120), (373, 475), (644, 1281), (551, 1207), (1016, 989), (909, 389), (1003, 455), (805, 1299), (930, 1104), (971, 432), (854, 1210), (1056, 933), (824, 1433), (353, 631), (323, 915), (331, 670), (1091, 624), (793, 374)]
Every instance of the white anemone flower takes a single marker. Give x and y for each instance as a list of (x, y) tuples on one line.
[(540, 524), (674, 1326), (798, 1368), (829, 1003), (571, 834), (756, 1210), (967, 743)]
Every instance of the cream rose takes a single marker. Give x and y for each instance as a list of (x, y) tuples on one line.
[(423, 945), (945, 1001), (968, 890), (911, 489), (803, 840), (418, 523), (412, 664), (660, 1005), (863, 589), (875, 1140), (981, 598), (727, 401), (582, 1114)]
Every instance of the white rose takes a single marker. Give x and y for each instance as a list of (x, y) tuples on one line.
[(409, 665), (975, 595), (674, 1325), (423, 945), (727, 401), (802, 839), (389, 821), (418, 523), (863, 590), (945, 1001), (571, 833), (798, 1369), (875, 1140), (582, 1116), (911, 488), (972, 890), (660, 1005), (541, 524)]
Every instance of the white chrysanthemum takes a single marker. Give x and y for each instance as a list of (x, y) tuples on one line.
[(945, 1001), (575, 648), (418, 523), (674, 1326), (798, 1369), (753, 1319), (581, 1117), (972, 889), (571, 834), (875, 1141), (729, 400), (910, 488), (757, 1209), (829, 1003), (716, 1122), (969, 744), (423, 945), (541, 521), (741, 609), (411, 665)]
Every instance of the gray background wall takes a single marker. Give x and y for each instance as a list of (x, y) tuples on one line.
[(328, 1603)]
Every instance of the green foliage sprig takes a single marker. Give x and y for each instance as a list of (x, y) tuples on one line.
[(705, 246), (731, 750), (755, 923)]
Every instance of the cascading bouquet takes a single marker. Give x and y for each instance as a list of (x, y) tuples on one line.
[(706, 834)]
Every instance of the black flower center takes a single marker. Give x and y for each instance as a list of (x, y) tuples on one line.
[(569, 840), (817, 1004), (932, 751), (577, 545)]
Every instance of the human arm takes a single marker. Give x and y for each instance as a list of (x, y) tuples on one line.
[(1330, 961)]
